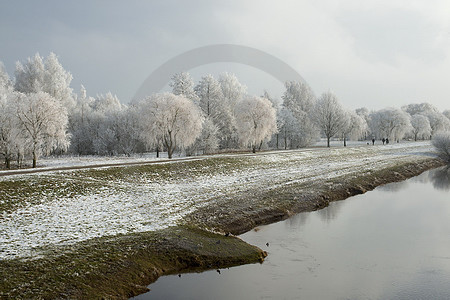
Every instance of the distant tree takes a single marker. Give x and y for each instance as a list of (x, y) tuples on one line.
[(39, 75), (43, 121), (30, 76), (256, 121), (364, 113), (288, 127), (182, 84), (447, 113), (329, 115), (57, 82), (392, 123), (172, 120), (209, 141), (419, 108), (420, 126), (298, 98), (8, 127), (354, 128), (441, 142), (438, 121), (233, 91), (127, 134), (106, 118), (298, 102), (81, 125), (215, 107)]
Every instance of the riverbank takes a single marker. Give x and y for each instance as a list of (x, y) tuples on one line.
[(109, 232)]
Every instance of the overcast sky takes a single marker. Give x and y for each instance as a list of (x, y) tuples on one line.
[(369, 53)]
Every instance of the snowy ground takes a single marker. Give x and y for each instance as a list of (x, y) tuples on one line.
[(65, 207)]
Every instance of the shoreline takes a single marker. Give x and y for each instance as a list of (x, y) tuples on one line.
[(123, 266)]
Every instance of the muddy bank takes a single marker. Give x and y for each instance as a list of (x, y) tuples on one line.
[(259, 207)]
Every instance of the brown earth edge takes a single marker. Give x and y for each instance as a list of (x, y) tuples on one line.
[(238, 215), (122, 266)]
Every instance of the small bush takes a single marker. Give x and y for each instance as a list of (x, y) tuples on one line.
[(441, 142)]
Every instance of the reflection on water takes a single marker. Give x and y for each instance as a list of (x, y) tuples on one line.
[(390, 243), (441, 178)]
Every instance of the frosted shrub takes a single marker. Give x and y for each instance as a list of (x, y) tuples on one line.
[(441, 141)]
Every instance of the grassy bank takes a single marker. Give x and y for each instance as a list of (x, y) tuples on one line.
[(109, 232), (122, 266)]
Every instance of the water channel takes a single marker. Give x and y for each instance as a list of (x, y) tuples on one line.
[(390, 243)]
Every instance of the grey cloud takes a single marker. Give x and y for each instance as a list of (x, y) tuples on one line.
[(384, 35)]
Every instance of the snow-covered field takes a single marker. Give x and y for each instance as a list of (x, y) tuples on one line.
[(84, 204)]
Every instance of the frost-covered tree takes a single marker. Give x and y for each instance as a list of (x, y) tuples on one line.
[(354, 128), (298, 102), (392, 123), (438, 121), (447, 113), (215, 107), (81, 125), (364, 113), (419, 108), (49, 76), (30, 75), (288, 127), (210, 96), (420, 126), (172, 120), (233, 91), (107, 111), (57, 81), (298, 98), (9, 134), (126, 129), (208, 140), (43, 121), (256, 121), (441, 142), (182, 84), (329, 115)]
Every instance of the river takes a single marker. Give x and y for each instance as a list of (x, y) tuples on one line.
[(390, 243)]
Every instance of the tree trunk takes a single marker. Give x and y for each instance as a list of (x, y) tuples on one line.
[(7, 162), (345, 142), (157, 152), (254, 149), (328, 141), (170, 152), (34, 159)]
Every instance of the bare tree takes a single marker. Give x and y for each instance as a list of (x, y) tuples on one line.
[(174, 120), (329, 115)]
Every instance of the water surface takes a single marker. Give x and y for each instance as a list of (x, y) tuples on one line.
[(393, 242)]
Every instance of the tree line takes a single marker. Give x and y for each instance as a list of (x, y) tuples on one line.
[(40, 114)]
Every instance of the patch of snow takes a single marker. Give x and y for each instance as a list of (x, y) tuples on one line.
[(137, 206)]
